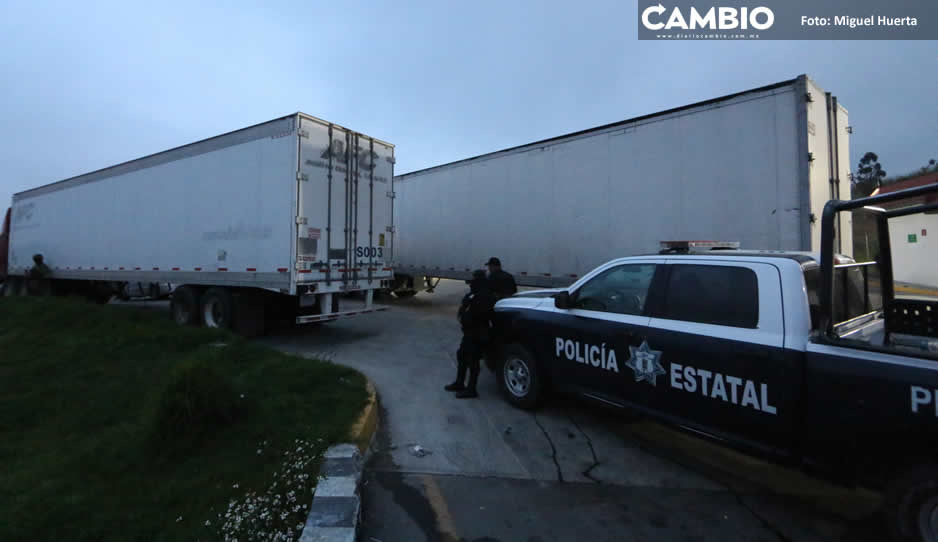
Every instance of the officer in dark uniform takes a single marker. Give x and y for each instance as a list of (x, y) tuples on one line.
[(501, 283), (475, 314)]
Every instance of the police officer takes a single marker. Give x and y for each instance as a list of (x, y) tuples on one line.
[(501, 283), (475, 313)]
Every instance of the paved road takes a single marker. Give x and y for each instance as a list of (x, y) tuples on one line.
[(570, 471)]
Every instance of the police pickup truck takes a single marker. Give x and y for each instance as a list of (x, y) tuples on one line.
[(811, 360)]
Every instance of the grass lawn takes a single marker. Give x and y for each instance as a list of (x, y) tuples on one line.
[(116, 424)]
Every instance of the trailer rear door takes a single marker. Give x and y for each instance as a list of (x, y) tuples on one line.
[(344, 207)]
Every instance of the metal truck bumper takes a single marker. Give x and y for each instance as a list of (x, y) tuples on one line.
[(336, 315)]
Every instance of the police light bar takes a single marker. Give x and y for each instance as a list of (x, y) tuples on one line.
[(687, 245)]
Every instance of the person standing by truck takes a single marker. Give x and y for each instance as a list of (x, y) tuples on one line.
[(475, 314), (501, 283), (38, 283)]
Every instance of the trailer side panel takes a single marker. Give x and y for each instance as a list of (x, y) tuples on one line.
[(220, 211), (725, 169)]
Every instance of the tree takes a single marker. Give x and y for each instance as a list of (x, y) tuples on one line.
[(869, 175)]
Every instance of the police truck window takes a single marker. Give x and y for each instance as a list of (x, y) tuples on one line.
[(720, 295)]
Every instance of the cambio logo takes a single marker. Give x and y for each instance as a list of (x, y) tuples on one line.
[(723, 18)]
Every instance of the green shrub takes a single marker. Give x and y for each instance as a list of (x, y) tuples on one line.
[(197, 401), (117, 424)]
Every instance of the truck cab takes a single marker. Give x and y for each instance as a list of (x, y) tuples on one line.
[(811, 360), (4, 246)]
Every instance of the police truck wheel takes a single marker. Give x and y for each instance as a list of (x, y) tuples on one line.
[(184, 306), (217, 308), (519, 377), (911, 505)]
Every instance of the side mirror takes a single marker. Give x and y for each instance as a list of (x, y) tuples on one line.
[(562, 300)]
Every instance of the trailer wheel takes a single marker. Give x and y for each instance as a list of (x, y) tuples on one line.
[(184, 305), (217, 308), (911, 505), (12, 286), (520, 377), (403, 286)]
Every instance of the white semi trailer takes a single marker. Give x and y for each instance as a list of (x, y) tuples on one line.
[(271, 220), (755, 167)]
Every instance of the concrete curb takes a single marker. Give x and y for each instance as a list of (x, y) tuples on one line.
[(336, 509), (364, 429)]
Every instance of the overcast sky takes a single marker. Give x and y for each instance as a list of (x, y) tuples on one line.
[(84, 85)]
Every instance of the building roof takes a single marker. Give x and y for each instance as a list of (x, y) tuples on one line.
[(912, 182)]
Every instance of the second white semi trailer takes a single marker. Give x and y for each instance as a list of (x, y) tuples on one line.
[(271, 220), (755, 167)]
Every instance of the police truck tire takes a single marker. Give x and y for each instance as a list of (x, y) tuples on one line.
[(217, 308), (520, 378), (911, 505), (184, 306)]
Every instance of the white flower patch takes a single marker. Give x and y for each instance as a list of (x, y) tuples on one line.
[(275, 513)]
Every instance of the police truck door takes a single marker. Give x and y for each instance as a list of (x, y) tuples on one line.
[(592, 339), (718, 335)]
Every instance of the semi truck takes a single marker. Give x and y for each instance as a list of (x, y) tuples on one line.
[(756, 167), (274, 220)]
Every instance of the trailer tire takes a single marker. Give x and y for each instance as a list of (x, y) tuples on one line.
[(520, 377), (12, 286), (911, 505), (21, 288), (403, 286), (185, 307), (217, 308)]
